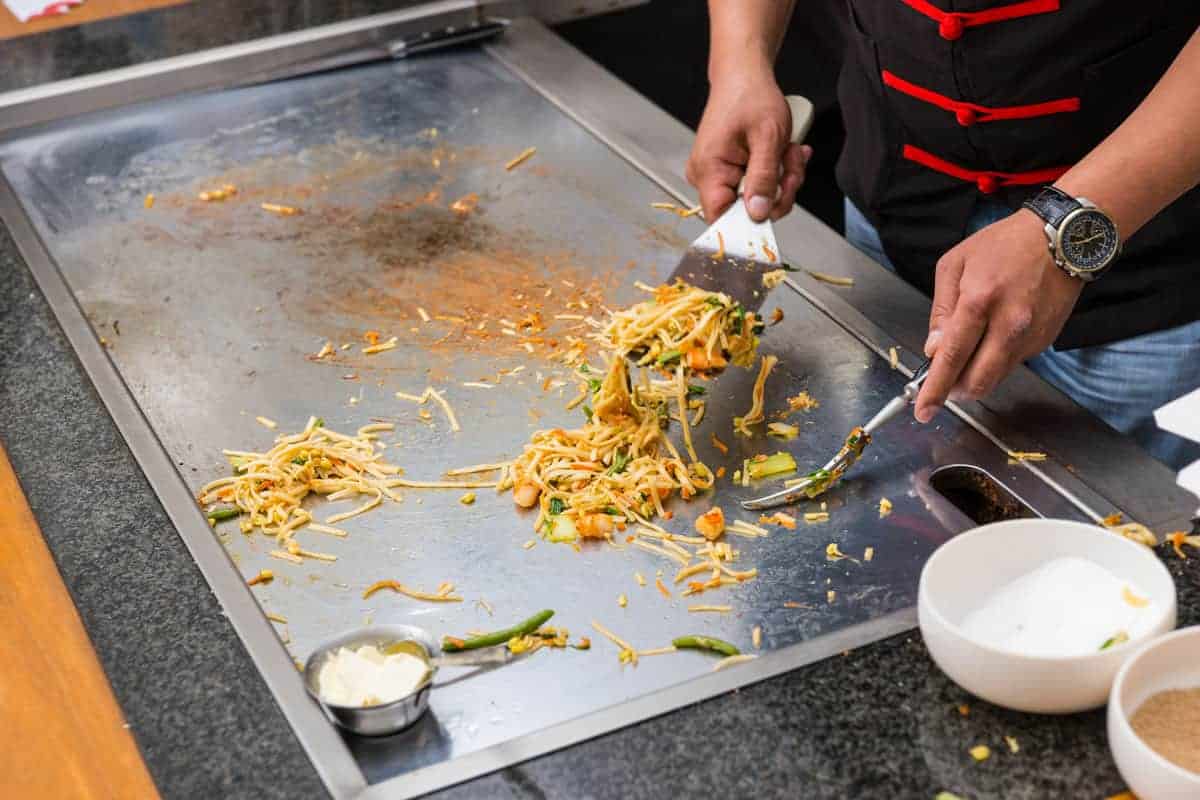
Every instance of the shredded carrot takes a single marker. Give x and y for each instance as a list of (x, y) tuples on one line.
[(662, 587), (771, 257), (396, 586), (721, 247), (717, 443), (263, 576)]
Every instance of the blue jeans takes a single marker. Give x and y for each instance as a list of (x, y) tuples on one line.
[(1122, 382)]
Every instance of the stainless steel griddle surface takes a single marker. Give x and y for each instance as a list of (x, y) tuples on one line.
[(212, 311)]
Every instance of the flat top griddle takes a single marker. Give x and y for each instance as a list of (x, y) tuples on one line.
[(211, 313)]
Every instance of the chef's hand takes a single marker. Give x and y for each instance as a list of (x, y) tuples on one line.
[(998, 300), (745, 130)]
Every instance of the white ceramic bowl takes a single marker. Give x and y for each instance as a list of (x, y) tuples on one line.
[(1169, 662), (964, 571)]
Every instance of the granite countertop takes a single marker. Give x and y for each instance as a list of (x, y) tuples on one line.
[(880, 721)]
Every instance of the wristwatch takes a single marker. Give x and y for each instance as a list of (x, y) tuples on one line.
[(1083, 240)]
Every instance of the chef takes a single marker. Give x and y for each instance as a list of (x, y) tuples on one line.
[(1031, 165)]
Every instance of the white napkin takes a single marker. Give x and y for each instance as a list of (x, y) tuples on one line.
[(1182, 418), (25, 10)]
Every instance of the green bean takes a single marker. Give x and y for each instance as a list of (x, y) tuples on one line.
[(222, 514), (453, 645), (706, 643)]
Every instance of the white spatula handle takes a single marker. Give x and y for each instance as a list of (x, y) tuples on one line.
[(802, 121), (802, 116)]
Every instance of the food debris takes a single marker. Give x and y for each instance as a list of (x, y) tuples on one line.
[(830, 596), (833, 280), (467, 499), (776, 316), (814, 517), (794, 604), (443, 596), (325, 351), (947, 796), (149, 201), (217, 195), (774, 278), (263, 576), (894, 357), (267, 422), (423, 314), (282, 620), (717, 256), (1179, 538), (662, 588), (622, 600), (1134, 531), (626, 653), (1020, 455), (637, 576), (520, 159), (964, 710), (781, 519), (833, 552), (885, 507), (390, 344), (284, 555), (465, 204), (869, 554), (980, 752), (730, 661), (529, 545), (711, 524), (717, 443), (803, 402), (709, 609), (1013, 745), (782, 430), (678, 210), (283, 211), (1132, 599)]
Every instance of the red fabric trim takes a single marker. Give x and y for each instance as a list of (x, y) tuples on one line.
[(987, 181), (951, 24), (970, 113)]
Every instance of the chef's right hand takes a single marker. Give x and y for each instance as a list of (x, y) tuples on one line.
[(745, 131)]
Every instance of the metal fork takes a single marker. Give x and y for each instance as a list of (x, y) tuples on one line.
[(845, 457)]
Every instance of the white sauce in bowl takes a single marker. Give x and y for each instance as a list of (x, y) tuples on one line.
[(365, 676)]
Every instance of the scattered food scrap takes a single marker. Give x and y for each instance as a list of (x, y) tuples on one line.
[(1179, 538), (520, 159), (980, 752), (894, 357), (444, 595), (390, 344), (774, 278), (813, 517), (756, 637), (678, 210), (1018, 456), (803, 402), (869, 554), (711, 524), (467, 499), (1013, 745), (149, 201), (833, 280), (834, 553), (731, 661), (281, 210), (1134, 531), (1132, 599), (885, 507), (755, 414), (217, 195), (267, 422), (782, 430), (263, 576)]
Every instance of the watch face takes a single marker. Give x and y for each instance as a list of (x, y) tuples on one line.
[(1088, 240)]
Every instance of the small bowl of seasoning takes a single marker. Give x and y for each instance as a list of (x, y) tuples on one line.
[(1038, 615), (373, 681), (377, 680), (1154, 718)]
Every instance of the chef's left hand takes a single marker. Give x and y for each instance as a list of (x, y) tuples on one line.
[(998, 300)]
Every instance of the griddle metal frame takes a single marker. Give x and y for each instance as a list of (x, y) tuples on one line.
[(656, 145)]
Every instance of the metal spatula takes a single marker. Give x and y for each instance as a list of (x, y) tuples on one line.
[(845, 458), (734, 253)]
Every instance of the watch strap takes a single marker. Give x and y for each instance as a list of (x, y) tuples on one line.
[(1052, 205)]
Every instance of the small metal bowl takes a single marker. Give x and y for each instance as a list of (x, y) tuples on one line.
[(385, 718)]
